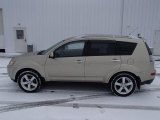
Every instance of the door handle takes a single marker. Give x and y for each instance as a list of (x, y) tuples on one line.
[(116, 60), (79, 61)]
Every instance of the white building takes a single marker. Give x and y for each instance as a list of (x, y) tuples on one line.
[(45, 22)]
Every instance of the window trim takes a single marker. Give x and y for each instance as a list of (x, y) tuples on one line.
[(83, 52), (87, 44)]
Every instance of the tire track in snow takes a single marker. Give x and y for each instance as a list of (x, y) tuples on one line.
[(20, 106), (111, 106), (64, 103)]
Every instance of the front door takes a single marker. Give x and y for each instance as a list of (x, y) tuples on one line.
[(68, 62), (20, 39)]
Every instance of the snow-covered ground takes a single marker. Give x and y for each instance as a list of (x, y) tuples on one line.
[(76, 101)]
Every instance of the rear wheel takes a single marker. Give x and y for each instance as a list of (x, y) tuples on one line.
[(29, 81), (123, 84)]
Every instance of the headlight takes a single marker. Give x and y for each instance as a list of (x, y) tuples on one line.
[(12, 62)]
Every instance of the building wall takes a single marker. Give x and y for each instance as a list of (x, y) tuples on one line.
[(142, 16), (1, 31), (49, 21)]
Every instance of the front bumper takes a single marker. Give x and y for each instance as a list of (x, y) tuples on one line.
[(10, 70)]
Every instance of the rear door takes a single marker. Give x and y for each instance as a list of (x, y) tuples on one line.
[(101, 60)]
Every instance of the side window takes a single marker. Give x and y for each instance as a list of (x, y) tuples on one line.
[(125, 48), (101, 48), (73, 49)]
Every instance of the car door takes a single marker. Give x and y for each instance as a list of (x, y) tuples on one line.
[(68, 62), (101, 60)]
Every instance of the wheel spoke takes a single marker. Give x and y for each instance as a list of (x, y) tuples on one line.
[(126, 89), (32, 78), (118, 84), (29, 86), (123, 80), (120, 89), (24, 83), (128, 84), (26, 77), (34, 84)]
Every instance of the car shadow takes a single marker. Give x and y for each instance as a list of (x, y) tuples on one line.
[(76, 86)]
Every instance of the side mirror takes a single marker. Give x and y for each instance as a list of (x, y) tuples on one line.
[(51, 55)]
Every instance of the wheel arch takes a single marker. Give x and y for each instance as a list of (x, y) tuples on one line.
[(28, 69), (137, 78)]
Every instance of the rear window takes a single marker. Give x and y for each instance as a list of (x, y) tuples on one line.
[(148, 49), (125, 48)]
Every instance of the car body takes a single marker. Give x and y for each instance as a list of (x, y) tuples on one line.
[(123, 62)]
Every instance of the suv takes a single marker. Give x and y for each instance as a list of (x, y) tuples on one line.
[(124, 63)]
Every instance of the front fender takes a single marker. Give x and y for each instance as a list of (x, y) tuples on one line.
[(36, 63), (32, 65)]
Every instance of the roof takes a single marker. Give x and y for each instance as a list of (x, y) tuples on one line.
[(102, 37)]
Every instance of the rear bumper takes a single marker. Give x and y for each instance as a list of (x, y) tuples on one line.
[(13, 80), (147, 82)]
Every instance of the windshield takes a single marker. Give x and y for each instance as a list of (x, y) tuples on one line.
[(45, 51)]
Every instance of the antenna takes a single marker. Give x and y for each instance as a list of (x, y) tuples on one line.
[(133, 30)]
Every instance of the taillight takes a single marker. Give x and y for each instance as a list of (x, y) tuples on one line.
[(153, 73)]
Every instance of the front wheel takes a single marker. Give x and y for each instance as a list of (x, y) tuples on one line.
[(123, 85), (29, 81)]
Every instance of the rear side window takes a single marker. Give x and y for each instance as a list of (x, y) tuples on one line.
[(101, 48), (148, 49), (125, 48)]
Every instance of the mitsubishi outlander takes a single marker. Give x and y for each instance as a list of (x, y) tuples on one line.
[(123, 62)]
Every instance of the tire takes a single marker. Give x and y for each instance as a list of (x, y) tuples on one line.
[(29, 81), (123, 85)]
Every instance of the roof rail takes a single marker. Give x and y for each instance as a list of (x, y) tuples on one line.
[(131, 36), (103, 35)]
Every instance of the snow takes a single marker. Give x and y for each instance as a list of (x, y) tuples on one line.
[(157, 64), (8, 55), (76, 101), (68, 113)]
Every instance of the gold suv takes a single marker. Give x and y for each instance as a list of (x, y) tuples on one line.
[(123, 62)]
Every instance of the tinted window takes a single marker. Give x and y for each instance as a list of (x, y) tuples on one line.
[(125, 48), (72, 49), (101, 48)]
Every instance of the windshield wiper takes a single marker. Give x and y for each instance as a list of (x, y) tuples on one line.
[(40, 52)]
